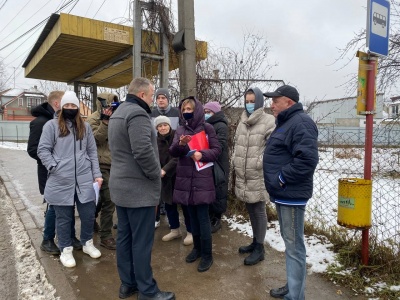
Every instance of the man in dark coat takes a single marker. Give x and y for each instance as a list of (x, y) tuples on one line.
[(216, 117), (289, 162), (44, 113), (164, 108)]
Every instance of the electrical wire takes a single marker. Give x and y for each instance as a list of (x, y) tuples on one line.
[(73, 6), (5, 1), (91, 2), (99, 9), (14, 18)]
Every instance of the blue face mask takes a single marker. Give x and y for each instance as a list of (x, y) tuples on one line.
[(207, 116), (187, 116), (250, 107)]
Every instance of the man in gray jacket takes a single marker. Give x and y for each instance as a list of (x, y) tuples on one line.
[(135, 186)]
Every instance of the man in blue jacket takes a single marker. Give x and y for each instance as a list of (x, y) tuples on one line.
[(290, 159)]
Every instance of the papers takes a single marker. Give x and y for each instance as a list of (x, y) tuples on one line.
[(96, 191), (198, 142)]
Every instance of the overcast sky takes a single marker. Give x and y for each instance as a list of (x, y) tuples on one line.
[(304, 36)]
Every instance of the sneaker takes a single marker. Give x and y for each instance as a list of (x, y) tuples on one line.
[(279, 292), (66, 257), (109, 244), (76, 243), (91, 250), (157, 224), (174, 234), (50, 247), (188, 239)]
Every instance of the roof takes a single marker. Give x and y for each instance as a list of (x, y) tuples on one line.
[(72, 48)]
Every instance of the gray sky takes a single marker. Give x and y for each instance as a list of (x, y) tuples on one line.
[(304, 36)]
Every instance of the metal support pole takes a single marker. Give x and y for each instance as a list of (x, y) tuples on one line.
[(137, 39), (368, 147)]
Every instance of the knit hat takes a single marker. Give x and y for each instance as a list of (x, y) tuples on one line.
[(162, 91), (214, 106), (162, 120), (69, 97)]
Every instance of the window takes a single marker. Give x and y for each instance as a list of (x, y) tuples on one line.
[(20, 101)]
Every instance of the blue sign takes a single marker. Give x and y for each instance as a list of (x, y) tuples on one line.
[(378, 27)]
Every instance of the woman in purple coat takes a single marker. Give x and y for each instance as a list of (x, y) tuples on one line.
[(192, 187)]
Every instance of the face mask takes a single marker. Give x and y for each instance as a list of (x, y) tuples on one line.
[(69, 113), (187, 116), (250, 107), (207, 116)]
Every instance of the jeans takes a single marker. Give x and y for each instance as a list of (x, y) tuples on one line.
[(65, 216), (200, 221), (49, 230), (291, 222), (173, 216), (134, 245)]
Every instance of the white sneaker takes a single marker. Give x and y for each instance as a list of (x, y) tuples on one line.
[(188, 239), (174, 234), (157, 224), (93, 252), (66, 257)]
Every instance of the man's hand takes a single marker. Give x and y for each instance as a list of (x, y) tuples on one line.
[(163, 173), (108, 112), (99, 180)]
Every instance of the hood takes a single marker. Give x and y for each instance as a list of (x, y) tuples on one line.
[(217, 117), (259, 98), (198, 114), (44, 109), (110, 97)]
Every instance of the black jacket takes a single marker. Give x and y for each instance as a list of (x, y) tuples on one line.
[(168, 164), (220, 124), (43, 113), (291, 156)]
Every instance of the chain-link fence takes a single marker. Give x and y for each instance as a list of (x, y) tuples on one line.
[(342, 156)]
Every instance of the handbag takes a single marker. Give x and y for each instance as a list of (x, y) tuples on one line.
[(219, 174)]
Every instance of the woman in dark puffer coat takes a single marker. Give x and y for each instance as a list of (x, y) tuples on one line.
[(195, 188)]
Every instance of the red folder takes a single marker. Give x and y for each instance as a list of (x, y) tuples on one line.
[(199, 141)]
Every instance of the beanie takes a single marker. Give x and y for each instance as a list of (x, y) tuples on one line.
[(162, 91), (214, 106), (162, 120), (69, 97)]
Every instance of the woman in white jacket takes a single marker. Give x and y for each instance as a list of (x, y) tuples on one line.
[(68, 150), (254, 128)]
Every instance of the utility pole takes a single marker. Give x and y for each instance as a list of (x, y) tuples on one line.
[(187, 58)]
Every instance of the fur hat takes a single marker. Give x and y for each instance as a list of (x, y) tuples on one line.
[(69, 97), (162, 91), (162, 120), (214, 106)]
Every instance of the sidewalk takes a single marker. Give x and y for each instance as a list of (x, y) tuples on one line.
[(228, 278)]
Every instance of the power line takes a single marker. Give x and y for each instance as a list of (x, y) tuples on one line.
[(5, 1), (16, 15), (99, 8)]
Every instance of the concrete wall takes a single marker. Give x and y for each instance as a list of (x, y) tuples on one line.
[(14, 131)]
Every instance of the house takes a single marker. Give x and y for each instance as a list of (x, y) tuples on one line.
[(394, 107), (16, 104)]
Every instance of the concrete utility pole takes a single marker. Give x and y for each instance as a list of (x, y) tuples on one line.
[(187, 58)]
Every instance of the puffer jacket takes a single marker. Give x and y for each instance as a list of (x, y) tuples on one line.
[(251, 134), (194, 187), (100, 131), (73, 163)]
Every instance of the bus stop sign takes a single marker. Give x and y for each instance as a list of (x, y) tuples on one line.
[(378, 27)]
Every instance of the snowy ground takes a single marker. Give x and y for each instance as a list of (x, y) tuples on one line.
[(34, 286)]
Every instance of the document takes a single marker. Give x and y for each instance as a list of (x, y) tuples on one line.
[(198, 142), (96, 191)]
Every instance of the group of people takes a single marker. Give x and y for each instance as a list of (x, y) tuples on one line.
[(172, 156)]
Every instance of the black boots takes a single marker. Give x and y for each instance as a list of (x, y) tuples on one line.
[(255, 256), (203, 249), (206, 255), (50, 247), (248, 248), (215, 224), (196, 251)]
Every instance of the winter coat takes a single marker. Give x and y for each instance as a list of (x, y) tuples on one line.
[(291, 156), (100, 132), (172, 113), (135, 177), (73, 163), (43, 113), (220, 124), (194, 187), (251, 134), (168, 164)]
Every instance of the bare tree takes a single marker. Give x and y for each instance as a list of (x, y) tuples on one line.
[(3, 76), (388, 67), (227, 73)]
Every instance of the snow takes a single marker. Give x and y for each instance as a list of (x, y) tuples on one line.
[(33, 283)]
